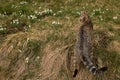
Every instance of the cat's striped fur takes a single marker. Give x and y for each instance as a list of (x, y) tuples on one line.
[(83, 48)]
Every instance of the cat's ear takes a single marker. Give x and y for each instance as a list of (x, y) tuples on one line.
[(84, 12), (84, 17)]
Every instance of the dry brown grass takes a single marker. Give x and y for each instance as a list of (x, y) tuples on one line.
[(53, 62), (42, 52)]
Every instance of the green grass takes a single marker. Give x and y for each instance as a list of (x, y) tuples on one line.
[(49, 21)]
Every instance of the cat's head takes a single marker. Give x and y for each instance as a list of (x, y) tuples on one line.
[(84, 18)]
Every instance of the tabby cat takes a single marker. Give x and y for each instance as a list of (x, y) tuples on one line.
[(83, 50)]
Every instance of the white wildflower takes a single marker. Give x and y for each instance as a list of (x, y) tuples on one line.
[(58, 23), (27, 60), (86, 4), (101, 19), (29, 26), (78, 13), (28, 39), (23, 15), (39, 8), (13, 6), (35, 4), (54, 22), (45, 10), (32, 17), (115, 17), (52, 11), (23, 2), (107, 9), (100, 16), (36, 12), (38, 57), (4, 12), (3, 15), (83, 7), (1, 29), (20, 50), (16, 21), (14, 13), (99, 9), (4, 28), (59, 11), (54, 14)]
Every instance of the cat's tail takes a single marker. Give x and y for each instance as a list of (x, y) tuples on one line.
[(91, 67), (94, 69)]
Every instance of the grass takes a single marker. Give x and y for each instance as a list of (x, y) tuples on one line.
[(44, 27)]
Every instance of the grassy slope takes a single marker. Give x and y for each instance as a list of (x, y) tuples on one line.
[(57, 29)]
